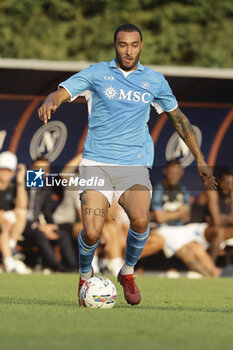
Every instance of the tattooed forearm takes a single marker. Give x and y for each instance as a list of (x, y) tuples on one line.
[(181, 123), (94, 211)]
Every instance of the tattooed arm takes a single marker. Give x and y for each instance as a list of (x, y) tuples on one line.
[(185, 130)]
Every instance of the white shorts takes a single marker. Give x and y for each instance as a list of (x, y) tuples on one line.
[(177, 236), (10, 216), (112, 179)]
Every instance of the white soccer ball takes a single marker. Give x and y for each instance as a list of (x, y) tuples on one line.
[(99, 293)]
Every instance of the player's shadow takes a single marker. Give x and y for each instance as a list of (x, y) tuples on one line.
[(61, 303)]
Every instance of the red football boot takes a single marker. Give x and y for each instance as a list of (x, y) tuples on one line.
[(81, 283), (131, 291)]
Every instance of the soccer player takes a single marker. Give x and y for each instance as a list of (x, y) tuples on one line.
[(120, 93)]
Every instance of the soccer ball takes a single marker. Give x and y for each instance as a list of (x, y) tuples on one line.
[(99, 293)]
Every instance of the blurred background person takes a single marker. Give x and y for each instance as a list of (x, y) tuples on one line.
[(41, 230), (68, 212), (170, 199), (216, 207), (171, 209), (13, 209), (186, 243), (220, 202)]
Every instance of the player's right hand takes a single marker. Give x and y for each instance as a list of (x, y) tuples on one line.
[(45, 111)]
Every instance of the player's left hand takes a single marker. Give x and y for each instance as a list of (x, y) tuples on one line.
[(207, 176)]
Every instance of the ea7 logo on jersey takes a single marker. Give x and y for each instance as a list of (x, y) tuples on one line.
[(108, 77), (134, 96)]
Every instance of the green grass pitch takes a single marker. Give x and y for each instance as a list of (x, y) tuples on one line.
[(41, 312)]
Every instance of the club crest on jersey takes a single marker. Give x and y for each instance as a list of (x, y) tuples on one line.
[(134, 96), (145, 85)]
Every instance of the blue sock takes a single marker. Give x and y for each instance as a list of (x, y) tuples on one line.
[(86, 254), (135, 244)]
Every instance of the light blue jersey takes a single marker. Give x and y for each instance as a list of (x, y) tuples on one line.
[(119, 110)]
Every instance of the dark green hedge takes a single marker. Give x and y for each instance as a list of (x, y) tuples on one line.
[(188, 32)]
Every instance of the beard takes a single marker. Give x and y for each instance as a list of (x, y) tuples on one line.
[(127, 68)]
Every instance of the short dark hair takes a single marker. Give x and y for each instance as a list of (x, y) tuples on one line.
[(174, 161), (41, 159), (225, 172), (127, 28)]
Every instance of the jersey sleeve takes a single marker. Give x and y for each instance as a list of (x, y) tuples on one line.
[(78, 83), (157, 107), (165, 99)]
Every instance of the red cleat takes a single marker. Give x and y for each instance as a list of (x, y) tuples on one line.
[(81, 283), (131, 291)]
